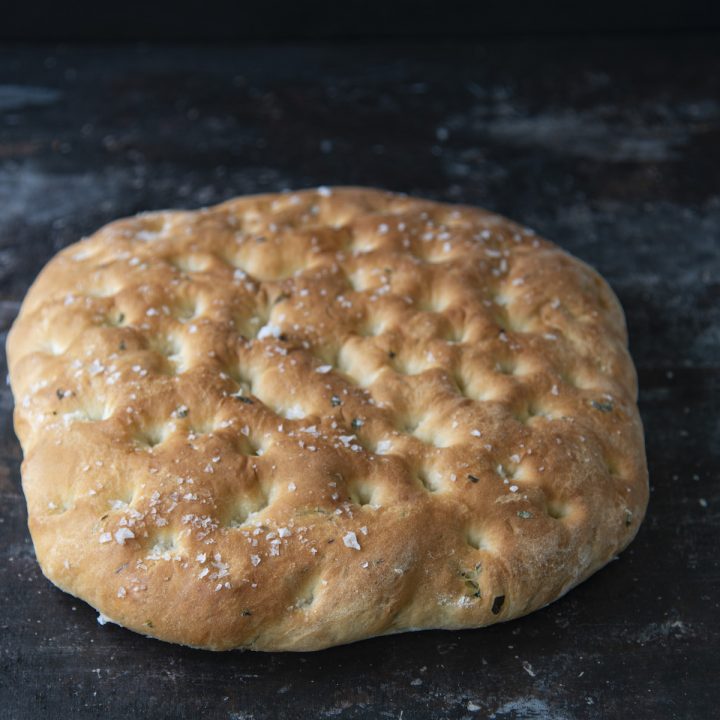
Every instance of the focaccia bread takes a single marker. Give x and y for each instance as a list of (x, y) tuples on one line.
[(297, 420)]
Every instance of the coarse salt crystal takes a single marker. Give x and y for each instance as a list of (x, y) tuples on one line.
[(268, 331), (122, 534), (383, 447), (350, 540), (295, 413)]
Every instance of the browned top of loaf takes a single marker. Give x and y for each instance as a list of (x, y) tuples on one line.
[(300, 419)]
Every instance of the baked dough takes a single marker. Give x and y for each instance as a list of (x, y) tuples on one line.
[(297, 420)]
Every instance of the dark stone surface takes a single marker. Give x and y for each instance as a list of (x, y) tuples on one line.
[(610, 148), (322, 20)]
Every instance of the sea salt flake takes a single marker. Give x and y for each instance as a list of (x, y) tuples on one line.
[(383, 447), (122, 534), (269, 331), (295, 412), (350, 540)]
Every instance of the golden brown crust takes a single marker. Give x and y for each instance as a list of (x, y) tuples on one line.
[(297, 420)]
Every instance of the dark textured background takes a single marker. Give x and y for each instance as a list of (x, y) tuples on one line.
[(610, 147), (230, 20)]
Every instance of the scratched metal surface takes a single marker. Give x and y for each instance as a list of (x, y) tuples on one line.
[(610, 148)]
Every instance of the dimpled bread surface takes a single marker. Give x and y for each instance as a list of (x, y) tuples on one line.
[(297, 420)]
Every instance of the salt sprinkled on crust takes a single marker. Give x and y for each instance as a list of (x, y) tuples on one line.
[(269, 331), (351, 541), (122, 534), (383, 447)]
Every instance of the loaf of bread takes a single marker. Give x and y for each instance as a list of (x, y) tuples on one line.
[(297, 420)]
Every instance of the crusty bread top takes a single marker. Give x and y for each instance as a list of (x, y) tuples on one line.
[(296, 420)]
